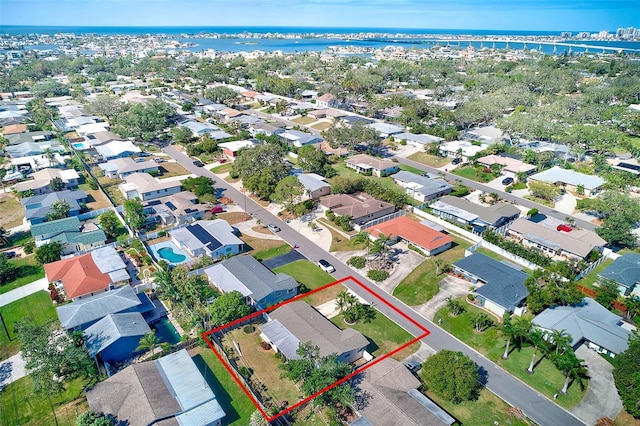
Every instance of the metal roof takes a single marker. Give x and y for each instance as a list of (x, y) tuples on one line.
[(111, 328), (625, 270)]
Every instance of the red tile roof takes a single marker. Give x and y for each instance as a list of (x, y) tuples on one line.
[(411, 231), (79, 275)]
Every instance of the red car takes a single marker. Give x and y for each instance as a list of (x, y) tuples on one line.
[(216, 209), (564, 228)]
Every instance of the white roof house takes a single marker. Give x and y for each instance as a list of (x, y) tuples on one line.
[(559, 176), (385, 129), (117, 149), (146, 187), (417, 139), (466, 148)]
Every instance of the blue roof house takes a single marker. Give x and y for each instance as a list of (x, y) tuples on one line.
[(501, 286), (625, 271), (38, 206), (214, 238), (115, 337)]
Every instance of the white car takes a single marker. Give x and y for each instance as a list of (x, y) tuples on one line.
[(326, 266)]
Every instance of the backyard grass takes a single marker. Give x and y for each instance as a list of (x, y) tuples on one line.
[(312, 277), (323, 125), (343, 170), (488, 409), (96, 199), (36, 307), (474, 173), (235, 403), (591, 278), (21, 405), (383, 334), (11, 211), (263, 364), (272, 252), (429, 160), (546, 378), (171, 168), (304, 120), (422, 283), (411, 169), (222, 168), (256, 245), (28, 271)]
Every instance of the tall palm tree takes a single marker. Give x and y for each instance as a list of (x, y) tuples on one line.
[(363, 237), (514, 329), (536, 337), (148, 342), (633, 307), (345, 301), (560, 339), (50, 156), (438, 262), (571, 367)]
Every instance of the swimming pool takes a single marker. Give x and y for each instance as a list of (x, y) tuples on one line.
[(167, 253), (166, 332), (79, 146)]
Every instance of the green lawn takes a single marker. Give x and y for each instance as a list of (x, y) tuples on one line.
[(546, 379), (383, 334), (272, 252), (590, 279), (474, 173), (429, 160), (304, 120), (21, 405), (235, 403), (311, 277), (422, 283), (222, 168), (28, 271), (37, 306), (411, 169)]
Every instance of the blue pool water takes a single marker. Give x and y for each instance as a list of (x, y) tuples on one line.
[(78, 145), (167, 253), (166, 332)]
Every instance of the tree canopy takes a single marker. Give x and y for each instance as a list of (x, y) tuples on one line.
[(288, 192), (134, 214), (143, 122), (261, 168), (49, 252), (452, 376), (627, 379), (228, 307)]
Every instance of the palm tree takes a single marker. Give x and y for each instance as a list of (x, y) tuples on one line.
[(571, 367), (148, 342), (536, 337), (633, 307), (438, 262), (514, 329), (559, 339), (345, 301), (363, 237), (50, 155)]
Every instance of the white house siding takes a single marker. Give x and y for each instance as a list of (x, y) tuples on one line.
[(494, 307)]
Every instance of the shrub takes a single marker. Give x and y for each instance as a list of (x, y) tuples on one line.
[(29, 246), (249, 329), (162, 234), (417, 250), (357, 262), (330, 215), (377, 275), (93, 184)]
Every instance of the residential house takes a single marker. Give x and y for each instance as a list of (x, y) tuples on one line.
[(101, 138), (297, 322), (462, 150), (559, 150), (570, 180), (37, 136), (123, 167), (326, 101), (117, 149), (178, 209), (213, 238), (264, 129), (464, 212), (326, 113), (587, 323), (42, 179), (82, 313), (38, 162), (29, 149), (502, 286), (340, 151), (115, 337), (308, 95), (361, 207), (91, 128), (430, 241), (387, 394), (363, 163), (146, 187), (421, 188), (509, 166), (386, 130), (12, 129), (198, 128), (575, 244), (625, 271), (88, 274), (231, 149), (487, 134), (315, 186), (228, 113), (259, 286), (419, 140), (38, 207), (298, 138), (73, 236), (168, 391), (350, 120)]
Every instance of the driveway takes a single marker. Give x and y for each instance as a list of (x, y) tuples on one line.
[(24, 291), (11, 370), (285, 259), (449, 287), (566, 204), (601, 399)]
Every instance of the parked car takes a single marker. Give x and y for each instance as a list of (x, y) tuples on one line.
[(216, 209), (455, 161), (273, 228), (413, 366), (10, 254), (507, 181), (159, 160), (326, 266), (564, 228), (198, 163)]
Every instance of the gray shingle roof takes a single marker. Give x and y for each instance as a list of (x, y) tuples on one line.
[(309, 325), (250, 277), (312, 181), (492, 214), (571, 177), (504, 284), (109, 329), (625, 270), (88, 309), (427, 185), (39, 205), (588, 320)]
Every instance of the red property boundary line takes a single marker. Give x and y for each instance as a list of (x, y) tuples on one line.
[(344, 379)]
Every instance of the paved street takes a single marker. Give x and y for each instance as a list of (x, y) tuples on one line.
[(536, 406), (504, 195)]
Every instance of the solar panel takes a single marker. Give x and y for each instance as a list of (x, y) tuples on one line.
[(204, 237), (171, 205)]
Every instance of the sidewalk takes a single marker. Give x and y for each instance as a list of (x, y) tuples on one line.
[(11, 370), (24, 291)]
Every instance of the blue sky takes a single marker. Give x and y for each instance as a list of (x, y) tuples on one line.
[(528, 15)]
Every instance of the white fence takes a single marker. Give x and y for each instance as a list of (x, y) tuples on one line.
[(380, 220), (502, 252), (448, 225)]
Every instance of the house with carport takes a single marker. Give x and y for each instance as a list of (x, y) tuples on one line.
[(297, 322), (259, 286), (479, 217), (501, 286)]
